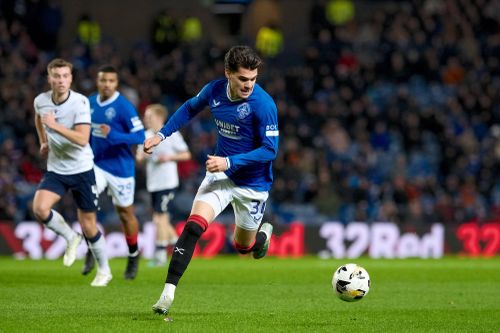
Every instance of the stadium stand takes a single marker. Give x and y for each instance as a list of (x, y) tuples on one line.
[(393, 116)]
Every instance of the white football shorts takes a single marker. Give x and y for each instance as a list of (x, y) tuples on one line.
[(219, 191), (120, 189)]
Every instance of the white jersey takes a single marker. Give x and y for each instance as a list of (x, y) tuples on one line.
[(163, 175), (66, 157)]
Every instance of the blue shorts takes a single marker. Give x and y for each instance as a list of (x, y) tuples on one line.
[(82, 186), (162, 200)]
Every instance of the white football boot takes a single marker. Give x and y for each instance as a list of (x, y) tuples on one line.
[(70, 254), (266, 228), (163, 305), (101, 279)]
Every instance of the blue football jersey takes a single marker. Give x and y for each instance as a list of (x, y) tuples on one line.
[(247, 131), (113, 153)]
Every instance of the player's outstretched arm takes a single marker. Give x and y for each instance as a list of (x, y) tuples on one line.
[(150, 143), (130, 138)]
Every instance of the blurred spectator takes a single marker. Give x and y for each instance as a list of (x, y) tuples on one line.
[(51, 21), (339, 12), (391, 114), (165, 33), (269, 41), (191, 30), (89, 31)]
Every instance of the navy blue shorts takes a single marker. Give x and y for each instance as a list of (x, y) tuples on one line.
[(162, 200), (82, 186)]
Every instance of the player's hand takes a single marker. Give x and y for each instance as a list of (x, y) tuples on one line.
[(150, 143), (216, 163), (105, 129), (44, 149), (49, 120)]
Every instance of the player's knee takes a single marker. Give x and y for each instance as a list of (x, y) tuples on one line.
[(41, 211), (126, 213)]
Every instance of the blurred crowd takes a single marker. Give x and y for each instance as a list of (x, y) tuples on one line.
[(391, 112)]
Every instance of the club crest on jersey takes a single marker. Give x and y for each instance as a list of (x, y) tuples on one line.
[(110, 113), (243, 111)]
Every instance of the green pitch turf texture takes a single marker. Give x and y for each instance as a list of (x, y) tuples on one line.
[(239, 294)]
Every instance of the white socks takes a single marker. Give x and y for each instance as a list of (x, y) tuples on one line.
[(58, 225), (169, 290), (99, 251)]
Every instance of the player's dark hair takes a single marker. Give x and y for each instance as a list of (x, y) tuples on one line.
[(241, 56), (107, 69)]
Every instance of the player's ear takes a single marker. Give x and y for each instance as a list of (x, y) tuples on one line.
[(227, 74)]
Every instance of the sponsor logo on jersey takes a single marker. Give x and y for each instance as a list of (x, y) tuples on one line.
[(228, 130), (272, 130)]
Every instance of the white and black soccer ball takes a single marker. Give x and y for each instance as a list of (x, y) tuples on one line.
[(351, 282)]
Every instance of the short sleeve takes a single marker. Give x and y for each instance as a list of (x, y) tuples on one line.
[(82, 115)]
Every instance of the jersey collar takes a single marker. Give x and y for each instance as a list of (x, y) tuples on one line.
[(109, 100), (52, 98)]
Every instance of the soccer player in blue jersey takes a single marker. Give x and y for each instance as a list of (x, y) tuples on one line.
[(116, 126), (240, 171), (62, 120)]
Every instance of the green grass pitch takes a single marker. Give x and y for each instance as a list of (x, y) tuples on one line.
[(239, 294)]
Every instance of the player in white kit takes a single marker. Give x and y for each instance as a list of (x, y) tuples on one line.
[(162, 178), (62, 120)]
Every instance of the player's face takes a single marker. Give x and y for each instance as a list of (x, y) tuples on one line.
[(60, 79), (152, 120), (241, 82), (107, 83)]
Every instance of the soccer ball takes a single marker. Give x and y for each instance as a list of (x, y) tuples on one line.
[(351, 282)]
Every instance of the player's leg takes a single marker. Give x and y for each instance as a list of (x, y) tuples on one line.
[(249, 206), (101, 184), (50, 191), (122, 191), (167, 200), (85, 194), (201, 215), (246, 241), (171, 233), (165, 233), (130, 227), (89, 261), (161, 241), (97, 246), (209, 202)]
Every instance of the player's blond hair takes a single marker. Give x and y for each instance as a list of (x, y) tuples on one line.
[(58, 63), (159, 110)]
